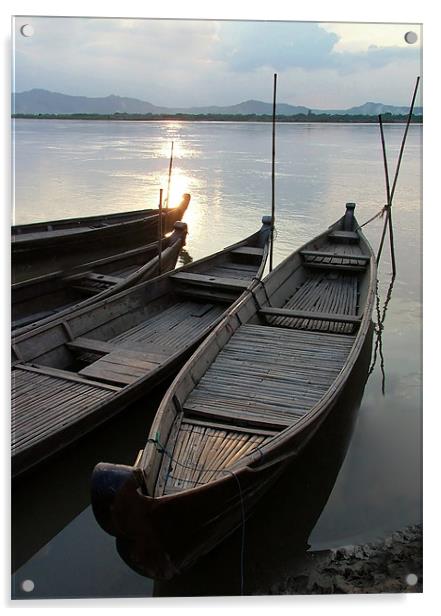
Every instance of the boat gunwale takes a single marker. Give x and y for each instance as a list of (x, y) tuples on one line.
[(132, 216)]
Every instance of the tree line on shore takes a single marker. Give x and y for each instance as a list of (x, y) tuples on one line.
[(218, 117)]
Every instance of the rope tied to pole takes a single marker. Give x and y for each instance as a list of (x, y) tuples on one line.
[(379, 214)]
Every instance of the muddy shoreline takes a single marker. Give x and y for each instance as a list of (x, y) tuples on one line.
[(390, 565)]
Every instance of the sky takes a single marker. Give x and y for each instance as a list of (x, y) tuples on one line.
[(182, 63)]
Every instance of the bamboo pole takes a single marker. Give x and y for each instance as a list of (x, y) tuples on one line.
[(388, 202), (169, 176), (409, 117), (160, 233), (273, 174), (391, 193)]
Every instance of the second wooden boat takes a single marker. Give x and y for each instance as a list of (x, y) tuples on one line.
[(245, 404), (75, 372), (41, 248), (42, 299)]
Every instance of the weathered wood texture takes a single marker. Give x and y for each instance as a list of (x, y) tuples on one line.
[(265, 377)]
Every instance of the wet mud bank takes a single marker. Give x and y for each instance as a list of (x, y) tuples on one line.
[(390, 565)]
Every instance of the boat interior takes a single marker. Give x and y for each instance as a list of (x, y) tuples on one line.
[(46, 295), (279, 355), (98, 351)]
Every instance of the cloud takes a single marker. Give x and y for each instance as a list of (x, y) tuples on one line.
[(246, 46), (96, 57), (373, 58), (194, 63)]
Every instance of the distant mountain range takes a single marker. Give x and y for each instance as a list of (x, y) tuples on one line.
[(45, 102)]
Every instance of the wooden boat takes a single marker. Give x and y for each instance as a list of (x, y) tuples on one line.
[(41, 248), (40, 299), (277, 534), (243, 406), (73, 373)]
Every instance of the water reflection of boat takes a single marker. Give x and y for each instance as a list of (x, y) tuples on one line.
[(276, 536), (38, 300), (248, 402), (41, 248)]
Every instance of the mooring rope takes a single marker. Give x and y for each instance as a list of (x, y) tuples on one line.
[(379, 214), (161, 449)]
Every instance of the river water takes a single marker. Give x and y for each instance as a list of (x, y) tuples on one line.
[(362, 478)]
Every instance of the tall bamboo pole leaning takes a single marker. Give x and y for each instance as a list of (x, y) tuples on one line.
[(169, 176), (160, 233), (394, 185), (273, 174), (386, 173)]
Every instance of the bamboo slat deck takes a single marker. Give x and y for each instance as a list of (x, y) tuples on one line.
[(202, 451), (177, 325), (264, 377), (43, 402), (323, 293)]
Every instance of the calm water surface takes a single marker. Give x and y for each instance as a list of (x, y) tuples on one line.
[(362, 478)]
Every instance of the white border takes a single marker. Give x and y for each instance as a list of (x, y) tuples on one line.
[(320, 10)]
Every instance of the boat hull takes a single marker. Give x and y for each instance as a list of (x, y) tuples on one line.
[(161, 537), (246, 404), (39, 300), (44, 252)]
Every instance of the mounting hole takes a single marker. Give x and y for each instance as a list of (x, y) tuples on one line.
[(411, 579), (27, 30), (28, 585), (411, 37)]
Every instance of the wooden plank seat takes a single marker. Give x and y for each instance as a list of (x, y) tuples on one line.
[(334, 255), (334, 260), (235, 415), (58, 373), (121, 363), (248, 251), (152, 352), (222, 425), (121, 366), (207, 294), (207, 280), (343, 267), (344, 236), (92, 283), (307, 314)]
